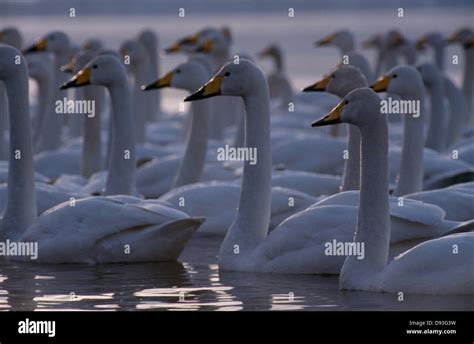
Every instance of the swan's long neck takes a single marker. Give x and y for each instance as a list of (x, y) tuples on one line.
[(351, 175), (122, 159), (436, 131), (279, 65), (20, 210), (91, 155), (458, 113), (192, 164), (468, 81), (439, 55), (152, 48), (410, 174), (141, 101), (373, 223), (250, 226), (3, 119)]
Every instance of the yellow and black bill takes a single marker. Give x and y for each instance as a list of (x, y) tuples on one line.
[(319, 86), (325, 41), (82, 78), (40, 45), (333, 117), (211, 89), (381, 84), (164, 81)]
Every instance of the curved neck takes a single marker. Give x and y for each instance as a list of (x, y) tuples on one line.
[(410, 173), (279, 65), (122, 159), (20, 210), (192, 163), (373, 223), (437, 130), (250, 226)]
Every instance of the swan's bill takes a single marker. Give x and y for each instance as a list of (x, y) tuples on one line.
[(319, 86), (469, 43), (81, 78), (333, 117), (188, 40), (206, 47), (69, 67), (164, 81), (39, 45), (381, 84), (210, 89), (264, 52), (326, 40)]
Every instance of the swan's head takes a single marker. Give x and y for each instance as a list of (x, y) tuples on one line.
[(227, 33), (184, 44), (214, 43), (134, 50), (342, 39), (272, 51), (360, 107), (242, 79), (459, 36), (104, 70), (433, 39), (11, 36), (187, 76), (429, 73), (78, 61), (55, 41), (376, 41), (8, 66), (92, 45), (395, 39), (401, 80), (339, 82), (148, 38)]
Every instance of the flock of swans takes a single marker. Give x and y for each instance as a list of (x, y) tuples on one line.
[(133, 175)]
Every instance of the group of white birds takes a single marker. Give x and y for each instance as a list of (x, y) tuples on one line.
[(135, 176)]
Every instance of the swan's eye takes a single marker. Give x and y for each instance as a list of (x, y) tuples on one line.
[(178, 71), (227, 74), (94, 66), (394, 76), (346, 102)]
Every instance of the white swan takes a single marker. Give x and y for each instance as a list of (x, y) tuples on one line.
[(64, 233), (343, 39), (436, 171), (297, 245), (432, 267), (160, 175)]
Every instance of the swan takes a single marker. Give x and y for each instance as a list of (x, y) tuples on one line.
[(455, 202), (417, 270), (158, 176), (92, 45), (279, 85), (458, 112), (343, 39), (402, 46), (437, 42), (295, 245), (414, 161), (93, 230)]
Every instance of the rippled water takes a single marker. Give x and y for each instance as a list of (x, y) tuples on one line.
[(190, 286)]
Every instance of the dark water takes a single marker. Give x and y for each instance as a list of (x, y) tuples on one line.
[(194, 284)]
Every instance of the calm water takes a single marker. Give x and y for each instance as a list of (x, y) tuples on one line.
[(190, 286)]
